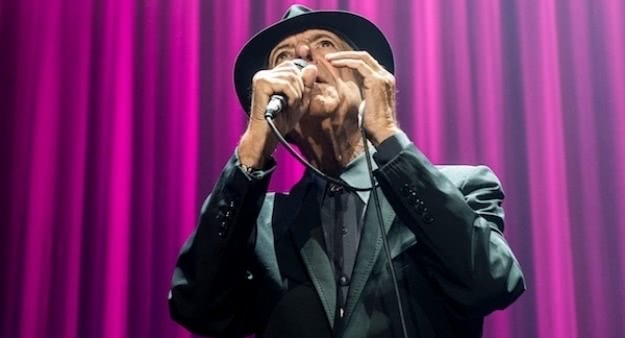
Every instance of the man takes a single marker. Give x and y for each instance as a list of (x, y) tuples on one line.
[(310, 263)]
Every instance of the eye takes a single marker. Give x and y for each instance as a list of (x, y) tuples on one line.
[(280, 58), (326, 44)]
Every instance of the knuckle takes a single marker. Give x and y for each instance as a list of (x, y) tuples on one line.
[(379, 77), (281, 64), (293, 66), (257, 77), (288, 65), (385, 77), (291, 77), (260, 77), (367, 56), (283, 83)]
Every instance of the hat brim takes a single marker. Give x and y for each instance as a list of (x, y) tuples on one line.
[(361, 33)]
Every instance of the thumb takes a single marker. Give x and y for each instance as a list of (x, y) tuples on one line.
[(309, 76)]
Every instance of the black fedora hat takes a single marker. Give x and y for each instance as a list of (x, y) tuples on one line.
[(359, 32)]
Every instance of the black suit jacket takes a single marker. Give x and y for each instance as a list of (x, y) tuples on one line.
[(256, 262)]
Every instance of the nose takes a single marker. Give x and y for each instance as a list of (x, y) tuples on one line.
[(302, 51)]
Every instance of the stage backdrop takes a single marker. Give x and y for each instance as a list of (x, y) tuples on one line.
[(117, 117)]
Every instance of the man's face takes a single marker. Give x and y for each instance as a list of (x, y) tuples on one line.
[(335, 89)]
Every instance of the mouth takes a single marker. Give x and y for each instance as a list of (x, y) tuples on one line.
[(324, 74), (321, 79)]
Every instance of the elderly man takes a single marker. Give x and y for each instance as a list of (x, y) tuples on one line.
[(310, 263)]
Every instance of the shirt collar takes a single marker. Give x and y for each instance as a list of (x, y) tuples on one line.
[(355, 173)]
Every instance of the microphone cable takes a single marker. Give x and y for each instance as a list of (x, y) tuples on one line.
[(387, 248), (303, 161), (346, 186)]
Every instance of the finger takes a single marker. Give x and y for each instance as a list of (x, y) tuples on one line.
[(357, 55), (309, 76), (359, 65), (287, 89), (289, 64), (294, 78), (290, 67)]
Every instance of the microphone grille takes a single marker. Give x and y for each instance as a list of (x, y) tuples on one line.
[(300, 63)]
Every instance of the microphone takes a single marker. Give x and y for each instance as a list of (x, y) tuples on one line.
[(278, 102)]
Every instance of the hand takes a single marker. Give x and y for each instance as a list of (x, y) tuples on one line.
[(258, 142), (291, 81), (378, 107)]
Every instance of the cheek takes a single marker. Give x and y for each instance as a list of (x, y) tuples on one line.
[(351, 75), (351, 90), (352, 80)]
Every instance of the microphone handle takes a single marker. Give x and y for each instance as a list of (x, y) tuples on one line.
[(275, 105)]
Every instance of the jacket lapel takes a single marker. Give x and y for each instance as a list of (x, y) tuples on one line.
[(369, 249), (304, 222), (307, 234)]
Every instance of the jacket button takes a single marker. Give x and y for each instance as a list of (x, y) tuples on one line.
[(427, 218), (335, 188), (221, 234), (344, 280), (421, 210), (405, 190)]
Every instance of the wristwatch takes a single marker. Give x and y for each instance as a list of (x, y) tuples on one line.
[(249, 170)]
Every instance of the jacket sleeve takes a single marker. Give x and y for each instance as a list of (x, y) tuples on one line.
[(212, 291), (460, 230)]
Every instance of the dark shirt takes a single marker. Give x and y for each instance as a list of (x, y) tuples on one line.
[(342, 217), (342, 211)]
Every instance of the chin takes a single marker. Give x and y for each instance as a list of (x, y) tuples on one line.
[(322, 105), (325, 100)]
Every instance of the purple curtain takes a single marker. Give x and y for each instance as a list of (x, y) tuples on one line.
[(117, 116)]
